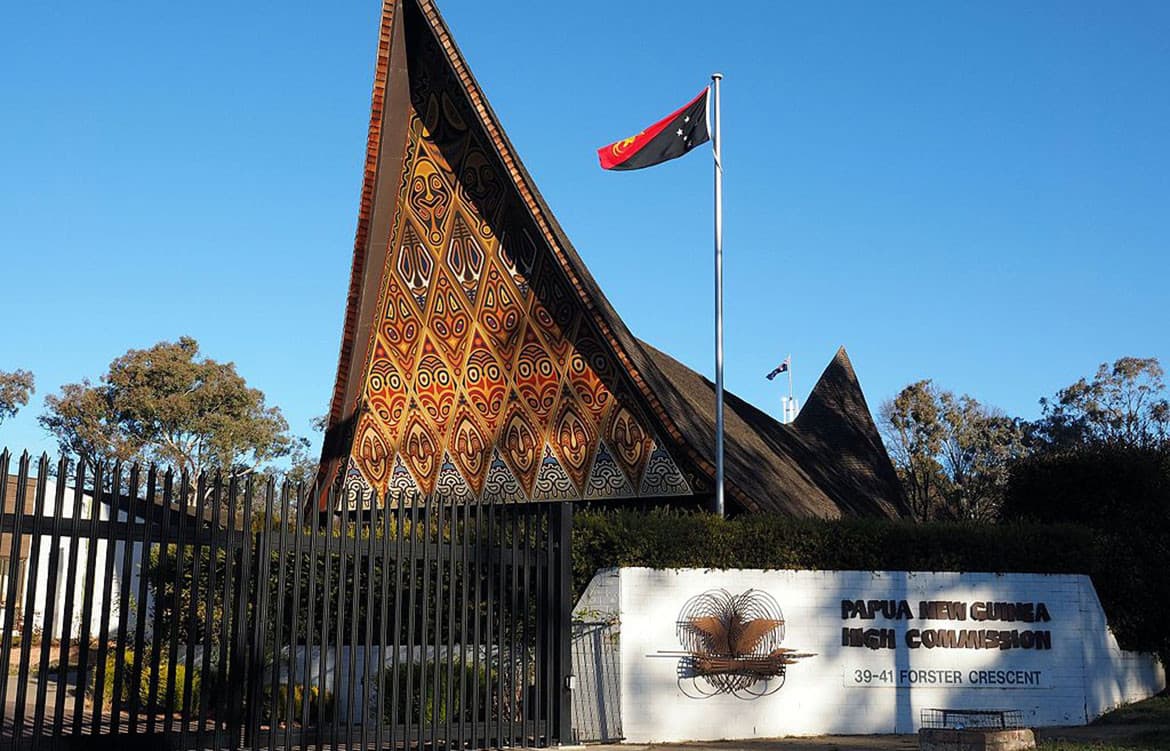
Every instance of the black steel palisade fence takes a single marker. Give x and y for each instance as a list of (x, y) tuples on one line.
[(212, 613)]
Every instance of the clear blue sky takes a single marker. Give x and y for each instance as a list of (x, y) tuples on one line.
[(977, 193)]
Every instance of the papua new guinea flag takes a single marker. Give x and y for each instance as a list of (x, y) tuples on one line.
[(669, 138)]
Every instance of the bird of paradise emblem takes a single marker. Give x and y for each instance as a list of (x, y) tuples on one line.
[(620, 147), (732, 646)]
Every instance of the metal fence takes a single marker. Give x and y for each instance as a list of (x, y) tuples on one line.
[(971, 719), (210, 613), (597, 669)]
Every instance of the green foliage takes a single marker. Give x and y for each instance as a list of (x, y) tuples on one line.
[(677, 539), (173, 603), (304, 455), (279, 713), (951, 452), (955, 456), (1105, 486), (1155, 710), (170, 405), (127, 660), (912, 430), (1128, 578), (1122, 492), (15, 389), (145, 679), (1158, 743), (1123, 404), (442, 702), (357, 595), (354, 598), (165, 668)]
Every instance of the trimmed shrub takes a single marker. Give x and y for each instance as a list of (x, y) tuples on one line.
[(666, 539)]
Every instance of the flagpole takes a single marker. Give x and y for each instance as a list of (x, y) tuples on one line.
[(790, 408), (717, 151)]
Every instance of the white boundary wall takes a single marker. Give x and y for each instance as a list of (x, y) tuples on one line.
[(1082, 675)]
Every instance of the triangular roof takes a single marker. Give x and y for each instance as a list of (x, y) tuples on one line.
[(423, 93), (830, 462), (454, 242), (836, 418)]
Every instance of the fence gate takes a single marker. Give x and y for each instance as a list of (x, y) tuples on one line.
[(149, 609)]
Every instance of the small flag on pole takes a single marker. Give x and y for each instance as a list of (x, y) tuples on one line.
[(781, 368), (669, 138)]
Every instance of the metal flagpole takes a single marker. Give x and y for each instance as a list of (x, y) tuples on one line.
[(718, 153), (789, 409)]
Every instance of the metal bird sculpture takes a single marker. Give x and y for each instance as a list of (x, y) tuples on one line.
[(733, 636), (733, 641)]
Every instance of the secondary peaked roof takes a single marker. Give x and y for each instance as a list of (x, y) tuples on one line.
[(479, 357), (830, 462)]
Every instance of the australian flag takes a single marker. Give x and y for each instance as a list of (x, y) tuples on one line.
[(781, 368)]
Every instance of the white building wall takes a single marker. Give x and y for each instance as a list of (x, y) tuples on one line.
[(1083, 675), (57, 587)]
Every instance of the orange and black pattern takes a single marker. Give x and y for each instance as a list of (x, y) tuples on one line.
[(486, 379)]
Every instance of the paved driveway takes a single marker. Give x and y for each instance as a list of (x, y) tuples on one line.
[(816, 743)]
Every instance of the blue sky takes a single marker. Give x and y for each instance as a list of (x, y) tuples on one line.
[(977, 193)]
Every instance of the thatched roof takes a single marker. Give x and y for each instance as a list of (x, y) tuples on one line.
[(829, 463)]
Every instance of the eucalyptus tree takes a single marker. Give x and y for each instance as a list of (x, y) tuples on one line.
[(15, 389), (171, 405)]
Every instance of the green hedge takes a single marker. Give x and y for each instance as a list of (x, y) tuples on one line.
[(1131, 580)]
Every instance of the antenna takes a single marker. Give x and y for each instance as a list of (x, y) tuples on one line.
[(790, 409), (788, 402)]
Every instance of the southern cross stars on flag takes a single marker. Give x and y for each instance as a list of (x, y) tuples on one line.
[(781, 368), (669, 138)]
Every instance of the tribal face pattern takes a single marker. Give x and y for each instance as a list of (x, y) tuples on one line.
[(486, 377)]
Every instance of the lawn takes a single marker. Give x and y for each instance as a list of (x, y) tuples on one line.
[(1138, 727)]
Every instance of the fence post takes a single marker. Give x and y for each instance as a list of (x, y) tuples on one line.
[(249, 632), (28, 613), (13, 592), (565, 621)]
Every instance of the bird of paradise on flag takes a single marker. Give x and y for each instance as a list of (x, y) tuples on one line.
[(669, 138)]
